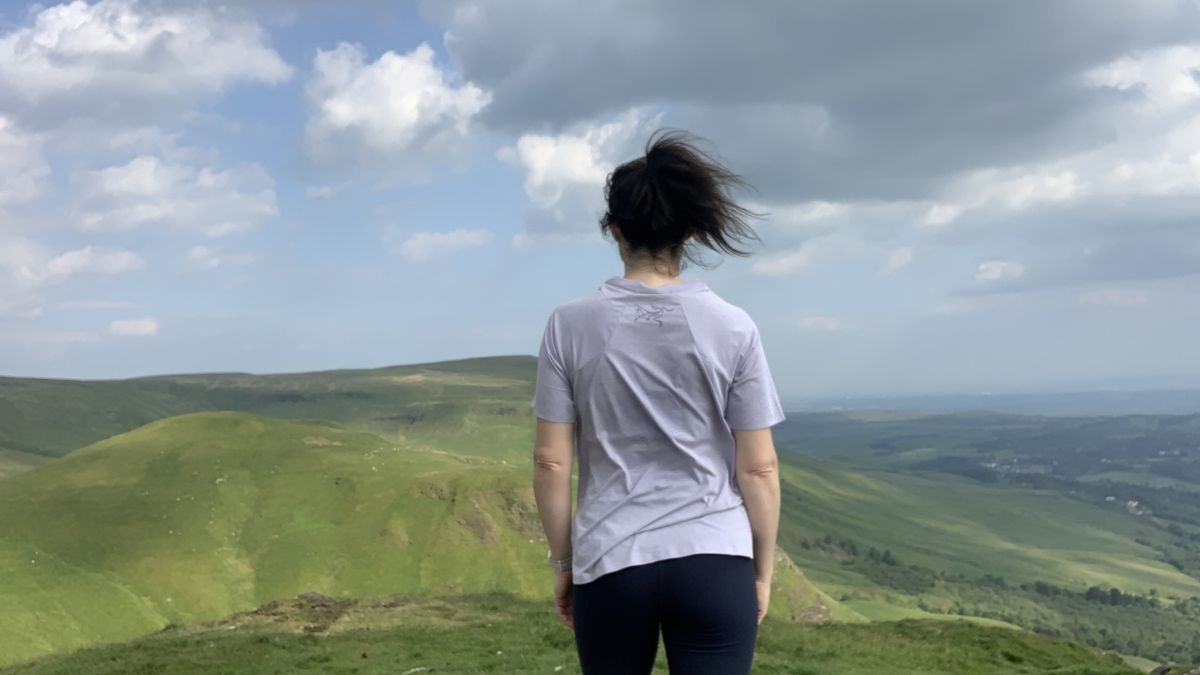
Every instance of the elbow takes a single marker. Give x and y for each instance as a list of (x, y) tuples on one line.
[(764, 470), (547, 466), (549, 463)]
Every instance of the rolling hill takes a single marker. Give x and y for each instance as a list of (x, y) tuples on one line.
[(418, 481), (200, 515)]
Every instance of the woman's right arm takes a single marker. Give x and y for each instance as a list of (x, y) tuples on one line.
[(757, 469)]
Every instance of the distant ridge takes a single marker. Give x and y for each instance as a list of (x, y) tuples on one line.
[(47, 418)]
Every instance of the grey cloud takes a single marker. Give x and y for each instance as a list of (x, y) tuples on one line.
[(913, 91), (1130, 257)]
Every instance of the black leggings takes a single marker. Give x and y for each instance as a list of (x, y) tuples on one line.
[(706, 603)]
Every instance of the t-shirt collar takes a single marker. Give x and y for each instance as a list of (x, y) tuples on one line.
[(633, 286)]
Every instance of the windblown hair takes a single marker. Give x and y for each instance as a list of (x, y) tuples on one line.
[(675, 190)]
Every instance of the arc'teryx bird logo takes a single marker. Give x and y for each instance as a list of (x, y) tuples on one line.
[(652, 313)]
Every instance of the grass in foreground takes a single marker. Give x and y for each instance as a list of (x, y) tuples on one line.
[(501, 633)]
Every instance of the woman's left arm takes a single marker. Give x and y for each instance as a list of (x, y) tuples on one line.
[(554, 449)]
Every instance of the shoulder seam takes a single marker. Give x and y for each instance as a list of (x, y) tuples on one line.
[(696, 347), (613, 325)]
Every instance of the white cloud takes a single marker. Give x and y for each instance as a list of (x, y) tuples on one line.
[(399, 114), (90, 259), (809, 212), (993, 271), (897, 260), (1156, 152), (822, 324), (1012, 189), (940, 214), (1114, 297), (122, 62), (28, 268), (426, 245), (784, 263), (820, 250), (208, 258), (133, 327), (1166, 76), (525, 241), (148, 190), (21, 165), (322, 192), (565, 173)]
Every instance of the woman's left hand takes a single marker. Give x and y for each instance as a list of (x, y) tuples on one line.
[(564, 597)]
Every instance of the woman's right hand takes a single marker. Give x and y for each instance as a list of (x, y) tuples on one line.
[(764, 598)]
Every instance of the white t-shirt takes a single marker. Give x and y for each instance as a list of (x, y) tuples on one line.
[(654, 379)]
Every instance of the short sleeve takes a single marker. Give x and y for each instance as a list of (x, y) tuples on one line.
[(753, 402), (553, 395)]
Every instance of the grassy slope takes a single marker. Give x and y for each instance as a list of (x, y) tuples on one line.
[(13, 462), (200, 515), (493, 633), (472, 406), (959, 525)]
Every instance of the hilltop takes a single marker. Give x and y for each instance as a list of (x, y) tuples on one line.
[(501, 633)]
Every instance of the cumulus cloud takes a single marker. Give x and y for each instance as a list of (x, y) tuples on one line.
[(999, 270), (208, 258), (897, 260), (400, 114), (813, 252), (314, 193), (22, 167), (424, 246), (149, 191), (28, 269), (783, 263), (824, 109), (564, 173), (1089, 134), (1165, 76), (123, 63), (144, 326), (94, 260)]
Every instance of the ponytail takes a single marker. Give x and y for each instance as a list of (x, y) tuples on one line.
[(673, 192)]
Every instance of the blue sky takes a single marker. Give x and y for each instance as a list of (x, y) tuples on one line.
[(277, 187)]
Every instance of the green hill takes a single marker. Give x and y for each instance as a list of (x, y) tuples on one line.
[(194, 517), (474, 406), (449, 443), (500, 633), (951, 523)]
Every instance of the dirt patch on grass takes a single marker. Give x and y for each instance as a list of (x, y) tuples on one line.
[(320, 440), (479, 523)]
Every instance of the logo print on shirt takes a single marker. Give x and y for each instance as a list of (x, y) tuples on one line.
[(652, 313)]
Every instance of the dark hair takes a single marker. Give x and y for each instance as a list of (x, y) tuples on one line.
[(675, 190)]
